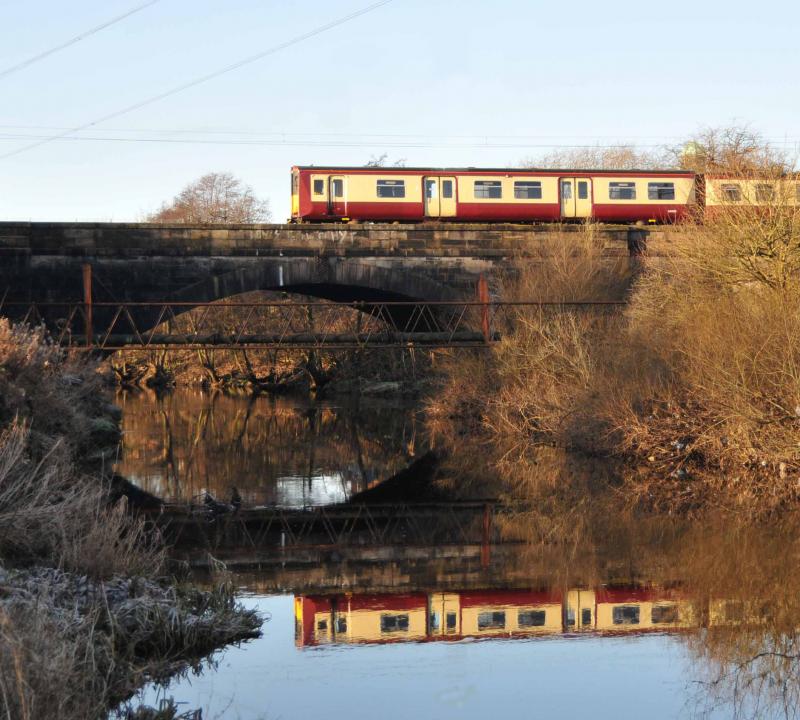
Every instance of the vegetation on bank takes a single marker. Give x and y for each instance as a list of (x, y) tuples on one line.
[(690, 393), (86, 612)]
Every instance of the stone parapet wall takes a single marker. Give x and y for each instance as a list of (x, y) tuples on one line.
[(125, 240)]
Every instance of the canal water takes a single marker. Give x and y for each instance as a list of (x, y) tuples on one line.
[(622, 618)]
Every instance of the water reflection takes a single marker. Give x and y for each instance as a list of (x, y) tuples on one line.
[(416, 617), (685, 620), (579, 603), (288, 452)]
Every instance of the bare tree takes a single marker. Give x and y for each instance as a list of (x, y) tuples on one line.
[(214, 198), (736, 149), (617, 157), (382, 160)]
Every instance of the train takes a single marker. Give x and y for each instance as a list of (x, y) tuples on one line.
[(507, 195), (419, 617)]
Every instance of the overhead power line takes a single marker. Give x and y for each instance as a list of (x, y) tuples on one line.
[(204, 78), (376, 142), (365, 141), (281, 137), (76, 39)]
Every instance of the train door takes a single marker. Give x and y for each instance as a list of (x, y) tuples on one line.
[(576, 197), (579, 611), (440, 196), (337, 196), (444, 614)]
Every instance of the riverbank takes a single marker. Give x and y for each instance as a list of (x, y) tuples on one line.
[(88, 608), (688, 396)]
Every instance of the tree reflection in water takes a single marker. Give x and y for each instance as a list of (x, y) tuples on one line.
[(273, 450), (569, 527), (577, 529)]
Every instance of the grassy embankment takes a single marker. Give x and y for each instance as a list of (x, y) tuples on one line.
[(86, 615), (687, 398)]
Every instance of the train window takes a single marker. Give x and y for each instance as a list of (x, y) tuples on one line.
[(622, 191), (338, 188), (322, 625), (488, 189), (319, 187), (492, 620), (430, 189), (435, 621), (451, 622), (531, 618), (660, 191), (528, 190), (626, 615), (764, 193), (731, 192), (570, 617), (447, 188), (586, 616), (394, 623), (295, 183), (391, 188), (566, 190), (583, 190), (664, 614)]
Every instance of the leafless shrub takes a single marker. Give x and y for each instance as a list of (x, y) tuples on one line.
[(735, 149), (600, 157), (534, 389)]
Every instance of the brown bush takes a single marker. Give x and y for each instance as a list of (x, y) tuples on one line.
[(695, 387), (706, 397)]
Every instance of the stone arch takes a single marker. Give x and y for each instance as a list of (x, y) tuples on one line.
[(337, 279)]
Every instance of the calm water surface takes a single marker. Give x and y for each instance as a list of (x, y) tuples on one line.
[(285, 451), (601, 616)]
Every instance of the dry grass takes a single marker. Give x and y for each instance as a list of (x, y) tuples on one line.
[(71, 648), (51, 514)]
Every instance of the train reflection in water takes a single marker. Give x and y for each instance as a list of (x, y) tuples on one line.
[(417, 617)]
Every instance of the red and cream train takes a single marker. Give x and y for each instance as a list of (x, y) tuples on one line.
[(455, 615), (324, 194)]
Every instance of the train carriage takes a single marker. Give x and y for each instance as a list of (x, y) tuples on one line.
[(454, 615), (720, 191), (321, 194)]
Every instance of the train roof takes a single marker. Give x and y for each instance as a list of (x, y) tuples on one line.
[(553, 171)]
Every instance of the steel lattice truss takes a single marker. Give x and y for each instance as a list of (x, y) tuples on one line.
[(424, 524), (273, 325)]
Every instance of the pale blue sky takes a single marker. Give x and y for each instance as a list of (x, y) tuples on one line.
[(553, 72)]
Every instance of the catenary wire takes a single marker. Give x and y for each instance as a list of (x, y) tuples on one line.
[(76, 39), (441, 143), (204, 78), (421, 137)]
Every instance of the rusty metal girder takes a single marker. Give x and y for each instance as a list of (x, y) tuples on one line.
[(278, 325)]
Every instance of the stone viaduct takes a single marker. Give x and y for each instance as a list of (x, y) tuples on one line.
[(42, 262)]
